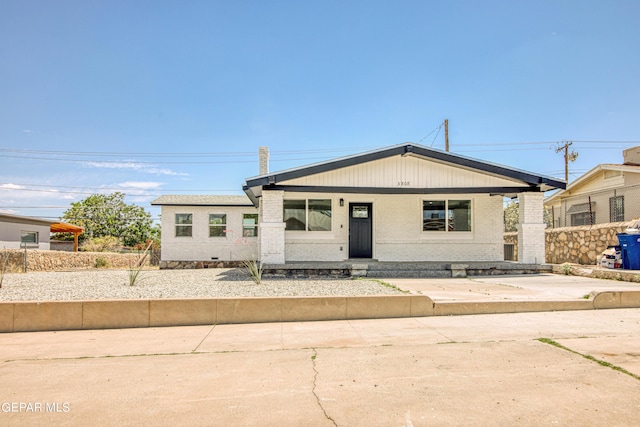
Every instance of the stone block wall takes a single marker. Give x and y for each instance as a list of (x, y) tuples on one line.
[(36, 260), (577, 245), (581, 245)]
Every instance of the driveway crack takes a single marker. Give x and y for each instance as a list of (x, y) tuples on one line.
[(315, 378)]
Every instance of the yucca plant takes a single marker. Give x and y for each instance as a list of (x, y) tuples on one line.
[(253, 268), (136, 269)]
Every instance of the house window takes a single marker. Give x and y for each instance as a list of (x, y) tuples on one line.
[(319, 215), (583, 218), (28, 238), (295, 214), (616, 209), (250, 225), (217, 225), (308, 215), (184, 225), (446, 215)]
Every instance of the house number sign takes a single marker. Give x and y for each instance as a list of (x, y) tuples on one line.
[(404, 183)]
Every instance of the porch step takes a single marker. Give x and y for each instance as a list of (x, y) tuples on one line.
[(409, 269)]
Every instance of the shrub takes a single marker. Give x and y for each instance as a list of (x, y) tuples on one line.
[(102, 262), (101, 244)]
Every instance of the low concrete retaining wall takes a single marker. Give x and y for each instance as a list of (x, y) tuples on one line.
[(111, 314)]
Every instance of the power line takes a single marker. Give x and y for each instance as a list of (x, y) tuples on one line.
[(177, 154), (57, 155), (427, 135), (149, 163), (279, 152), (34, 207), (120, 188)]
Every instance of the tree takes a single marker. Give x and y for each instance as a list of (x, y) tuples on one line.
[(512, 216), (108, 215)]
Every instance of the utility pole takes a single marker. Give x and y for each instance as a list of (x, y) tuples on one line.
[(446, 134), (568, 157)]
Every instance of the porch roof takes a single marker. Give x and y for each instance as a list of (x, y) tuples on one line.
[(531, 181)]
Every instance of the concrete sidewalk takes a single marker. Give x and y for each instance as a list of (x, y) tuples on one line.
[(462, 370)]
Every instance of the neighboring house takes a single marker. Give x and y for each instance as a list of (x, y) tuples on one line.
[(31, 233), (607, 193), (402, 203)]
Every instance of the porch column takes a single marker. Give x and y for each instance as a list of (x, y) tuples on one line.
[(531, 245), (271, 228)]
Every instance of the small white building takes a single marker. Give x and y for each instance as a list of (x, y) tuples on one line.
[(32, 233), (402, 203)]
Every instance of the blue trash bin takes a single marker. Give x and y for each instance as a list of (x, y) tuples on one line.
[(630, 246)]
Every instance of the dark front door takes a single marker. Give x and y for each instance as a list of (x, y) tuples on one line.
[(360, 230)]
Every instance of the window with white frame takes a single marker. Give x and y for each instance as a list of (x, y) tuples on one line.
[(446, 215), (184, 225), (217, 225), (307, 214), (250, 225)]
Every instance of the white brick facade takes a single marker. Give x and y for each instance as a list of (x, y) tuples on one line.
[(531, 245), (201, 247), (397, 230), (272, 237)]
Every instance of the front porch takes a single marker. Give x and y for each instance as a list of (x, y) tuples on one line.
[(375, 269)]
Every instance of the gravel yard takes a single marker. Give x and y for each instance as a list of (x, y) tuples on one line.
[(152, 284)]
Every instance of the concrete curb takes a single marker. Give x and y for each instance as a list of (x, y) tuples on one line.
[(111, 314)]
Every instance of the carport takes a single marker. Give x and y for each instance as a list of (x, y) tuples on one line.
[(61, 227)]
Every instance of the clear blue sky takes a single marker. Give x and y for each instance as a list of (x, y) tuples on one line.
[(174, 97)]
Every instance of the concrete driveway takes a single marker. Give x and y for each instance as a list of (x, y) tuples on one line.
[(462, 370), (521, 287)]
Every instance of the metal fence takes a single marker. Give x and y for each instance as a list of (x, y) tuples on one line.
[(598, 207)]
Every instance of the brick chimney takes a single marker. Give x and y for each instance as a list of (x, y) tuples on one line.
[(263, 156)]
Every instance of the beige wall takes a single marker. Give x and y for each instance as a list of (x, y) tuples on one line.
[(406, 172)]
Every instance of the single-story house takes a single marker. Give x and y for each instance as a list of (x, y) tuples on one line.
[(32, 233), (401, 203), (607, 193)]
